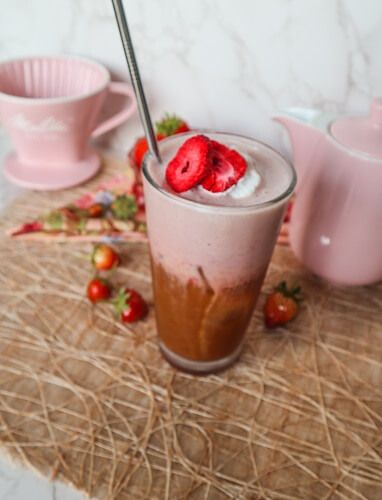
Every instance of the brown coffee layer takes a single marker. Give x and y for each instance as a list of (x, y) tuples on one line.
[(198, 323)]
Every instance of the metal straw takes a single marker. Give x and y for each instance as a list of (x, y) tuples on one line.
[(135, 77)]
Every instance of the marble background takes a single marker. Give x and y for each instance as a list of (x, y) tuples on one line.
[(224, 64)]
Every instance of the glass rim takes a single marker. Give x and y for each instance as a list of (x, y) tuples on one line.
[(220, 208)]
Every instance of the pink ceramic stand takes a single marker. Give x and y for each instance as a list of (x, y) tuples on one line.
[(48, 178)]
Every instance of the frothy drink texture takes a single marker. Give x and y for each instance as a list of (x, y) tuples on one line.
[(210, 252)]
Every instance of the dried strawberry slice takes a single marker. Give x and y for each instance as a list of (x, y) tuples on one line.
[(227, 167), (28, 227), (190, 165)]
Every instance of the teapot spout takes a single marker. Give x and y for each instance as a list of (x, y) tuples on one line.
[(305, 127)]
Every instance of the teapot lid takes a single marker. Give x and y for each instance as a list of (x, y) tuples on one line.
[(363, 134)]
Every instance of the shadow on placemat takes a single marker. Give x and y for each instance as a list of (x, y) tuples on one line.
[(90, 401)]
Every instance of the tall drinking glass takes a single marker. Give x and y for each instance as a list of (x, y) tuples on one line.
[(209, 260)]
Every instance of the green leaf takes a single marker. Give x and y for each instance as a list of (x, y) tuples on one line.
[(121, 301), (292, 292), (168, 125), (54, 219), (124, 207)]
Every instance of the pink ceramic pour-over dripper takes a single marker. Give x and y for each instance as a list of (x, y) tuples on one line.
[(50, 108), (336, 223)]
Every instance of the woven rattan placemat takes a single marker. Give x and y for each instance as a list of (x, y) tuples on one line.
[(91, 402)]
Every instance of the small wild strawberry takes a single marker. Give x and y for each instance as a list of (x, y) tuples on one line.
[(104, 257), (130, 305), (282, 305), (98, 290)]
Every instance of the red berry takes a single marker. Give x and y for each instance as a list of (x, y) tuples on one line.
[(183, 127), (281, 306), (190, 165), (96, 210), (98, 289), (170, 125), (139, 150), (288, 212), (130, 305), (139, 194), (29, 227), (227, 167), (104, 257)]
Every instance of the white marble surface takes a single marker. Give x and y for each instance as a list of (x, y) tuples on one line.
[(21, 484), (222, 64)]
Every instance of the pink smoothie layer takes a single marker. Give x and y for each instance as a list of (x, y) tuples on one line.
[(231, 238)]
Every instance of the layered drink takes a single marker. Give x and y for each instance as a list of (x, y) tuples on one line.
[(212, 234)]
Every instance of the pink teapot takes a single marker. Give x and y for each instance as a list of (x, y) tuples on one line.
[(336, 223)]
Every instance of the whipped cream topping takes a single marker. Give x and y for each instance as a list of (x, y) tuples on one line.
[(247, 185)]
